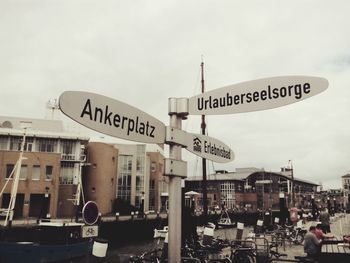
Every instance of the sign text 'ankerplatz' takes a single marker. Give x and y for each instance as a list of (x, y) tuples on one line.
[(111, 117)]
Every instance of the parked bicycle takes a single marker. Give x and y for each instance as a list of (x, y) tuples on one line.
[(251, 251), (149, 256)]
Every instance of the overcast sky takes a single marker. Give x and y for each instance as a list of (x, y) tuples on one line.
[(143, 52)]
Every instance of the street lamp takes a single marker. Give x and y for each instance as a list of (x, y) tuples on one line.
[(292, 184), (142, 205)]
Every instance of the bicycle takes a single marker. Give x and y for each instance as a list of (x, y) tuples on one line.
[(205, 253), (149, 256), (249, 252)]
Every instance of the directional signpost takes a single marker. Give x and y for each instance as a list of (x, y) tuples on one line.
[(201, 145), (121, 120), (256, 95), (111, 117), (209, 148)]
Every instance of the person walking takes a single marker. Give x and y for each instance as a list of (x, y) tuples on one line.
[(325, 221), (312, 244)]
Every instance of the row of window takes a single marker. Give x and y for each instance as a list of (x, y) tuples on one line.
[(67, 147), (35, 172)]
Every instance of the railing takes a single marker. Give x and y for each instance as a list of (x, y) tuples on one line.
[(73, 157), (68, 157), (65, 180)]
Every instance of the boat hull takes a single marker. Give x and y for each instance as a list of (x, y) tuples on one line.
[(226, 225)]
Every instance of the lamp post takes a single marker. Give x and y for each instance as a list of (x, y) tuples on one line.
[(142, 205), (292, 184)]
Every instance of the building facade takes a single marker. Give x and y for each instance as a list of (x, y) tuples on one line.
[(130, 173), (346, 190), (50, 168), (100, 175), (251, 189), (158, 184)]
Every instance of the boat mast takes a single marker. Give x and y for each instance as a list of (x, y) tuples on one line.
[(204, 161), (11, 207)]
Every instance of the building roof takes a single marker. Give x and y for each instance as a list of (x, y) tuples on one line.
[(35, 124), (37, 128), (240, 175)]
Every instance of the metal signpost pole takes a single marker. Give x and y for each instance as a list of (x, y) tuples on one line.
[(204, 161), (176, 170), (174, 240)]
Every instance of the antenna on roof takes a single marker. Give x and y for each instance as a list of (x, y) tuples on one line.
[(52, 106)]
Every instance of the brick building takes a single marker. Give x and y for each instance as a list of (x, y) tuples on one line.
[(50, 168), (252, 189)]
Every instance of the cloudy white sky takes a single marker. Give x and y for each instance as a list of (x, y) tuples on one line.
[(143, 52)]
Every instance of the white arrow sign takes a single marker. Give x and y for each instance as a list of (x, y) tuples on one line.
[(257, 95), (111, 117), (201, 145), (209, 148)]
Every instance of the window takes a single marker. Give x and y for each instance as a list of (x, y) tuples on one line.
[(36, 172), (49, 172), (161, 168), (15, 143), (46, 145), (124, 177), (28, 146), (67, 149), (152, 184), (67, 173), (9, 169), (153, 167), (152, 194), (3, 142), (24, 172), (227, 192)]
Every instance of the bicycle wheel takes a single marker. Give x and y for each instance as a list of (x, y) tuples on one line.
[(223, 260), (242, 257), (299, 239)]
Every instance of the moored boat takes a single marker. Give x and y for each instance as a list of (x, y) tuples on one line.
[(160, 233), (225, 221), (45, 242)]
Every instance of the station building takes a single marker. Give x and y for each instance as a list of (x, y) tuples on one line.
[(50, 170), (251, 189)]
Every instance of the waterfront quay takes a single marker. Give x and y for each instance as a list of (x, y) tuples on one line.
[(340, 226), (127, 237)]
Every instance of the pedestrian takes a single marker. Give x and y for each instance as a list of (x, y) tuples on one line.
[(320, 234), (312, 244), (325, 221)]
